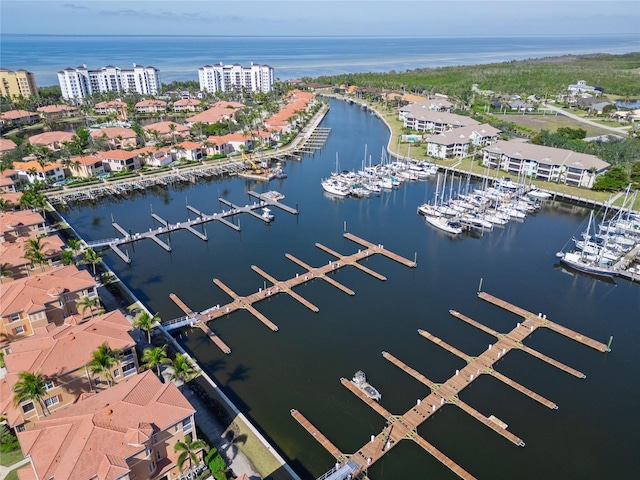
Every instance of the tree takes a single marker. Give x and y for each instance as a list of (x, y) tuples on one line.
[(103, 359), (34, 251), (30, 386), (155, 358), (182, 369), (5, 205), (87, 303), (188, 453), (90, 256), (146, 323), (67, 257), (5, 270)]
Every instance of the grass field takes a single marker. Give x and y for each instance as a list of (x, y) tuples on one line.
[(552, 123), (9, 458)]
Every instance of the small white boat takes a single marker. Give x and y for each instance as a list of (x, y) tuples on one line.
[(446, 225), (360, 380), (267, 215), (335, 187)]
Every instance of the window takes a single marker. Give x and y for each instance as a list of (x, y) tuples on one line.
[(186, 424), (147, 452), (27, 407), (20, 428), (18, 330), (51, 401), (116, 372), (152, 466), (97, 380), (159, 455), (15, 317), (128, 369), (48, 385)]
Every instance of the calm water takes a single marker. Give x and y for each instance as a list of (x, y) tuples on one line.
[(179, 58), (593, 435)]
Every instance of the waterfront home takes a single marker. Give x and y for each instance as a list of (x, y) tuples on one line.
[(32, 171), (12, 255), (55, 112), (35, 301), (218, 112), (598, 108), (8, 180), (234, 142), (86, 166), (457, 143), (61, 354), (166, 130), (16, 118), (544, 163), (151, 106), (191, 151), (113, 107), (21, 223), (423, 119), (6, 145), (155, 157), (119, 160), (520, 106), (54, 141), (214, 145), (117, 137), (187, 105), (124, 432)]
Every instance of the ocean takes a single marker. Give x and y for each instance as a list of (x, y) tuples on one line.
[(179, 57)]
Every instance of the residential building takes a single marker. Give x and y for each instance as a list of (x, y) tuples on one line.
[(6, 146), (457, 142), (12, 255), (8, 181), (544, 163), (119, 160), (17, 84), (125, 432), (233, 142), (53, 112), (151, 106), (219, 112), (117, 137), (227, 78), (215, 146), (581, 87), (166, 130), (61, 354), (21, 223), (32, 171), (32, 302), (78, 83), (187, 105), (86, 166), (19, 117), (113, 107), (155, 157), (419, 116), (54, 141), (190, 151)]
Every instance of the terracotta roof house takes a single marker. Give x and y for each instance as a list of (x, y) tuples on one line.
[(12, 197), (8, 180), (13, 254), (53, 140), (127, 431), (115, 107), (164, 130), (213, 145), (32, 171), (21, 223), (188, 150), (187, 105), (155, 157), (545, 163), (456, 143), (61, 354), (6, 145), (57, 111), (218, 112), (233, 142), (118, 137), (151, 106), (86, 166), (19, 117), (119, 160), (33, 302)]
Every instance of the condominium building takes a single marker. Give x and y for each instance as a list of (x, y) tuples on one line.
[(226, 78), (77, 83), (18, 83)]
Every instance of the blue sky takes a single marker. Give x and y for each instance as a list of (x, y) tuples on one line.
[(327, 17)]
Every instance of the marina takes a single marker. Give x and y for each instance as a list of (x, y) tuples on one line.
[(405, 426)]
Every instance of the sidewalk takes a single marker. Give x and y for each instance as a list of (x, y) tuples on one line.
[(4, 471)]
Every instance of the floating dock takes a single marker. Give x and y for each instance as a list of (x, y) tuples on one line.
[(405, 426), (285, 286)]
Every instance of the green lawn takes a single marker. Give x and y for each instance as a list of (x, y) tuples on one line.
[(9, 458)]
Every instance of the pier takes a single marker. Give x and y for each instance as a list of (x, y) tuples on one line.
[(201, 218), (282, 286), (401, 427)]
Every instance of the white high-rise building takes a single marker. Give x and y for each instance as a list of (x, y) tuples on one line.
[(77, 83), (225, 78)]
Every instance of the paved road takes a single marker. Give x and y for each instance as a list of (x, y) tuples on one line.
[(617, 130)]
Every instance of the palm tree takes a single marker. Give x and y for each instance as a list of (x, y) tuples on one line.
[(182, 369), (67, 257), (155, 358), (90, 256), (5, 270), (146, 323), (103, 359), (188, 452), (74, 245), (87, 302), (5, 205), (30, 386), (35, 253)]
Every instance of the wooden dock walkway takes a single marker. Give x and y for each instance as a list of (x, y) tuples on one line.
[(286, 286), (405, 426)]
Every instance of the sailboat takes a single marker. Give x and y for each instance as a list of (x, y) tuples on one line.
[(334, 185)]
